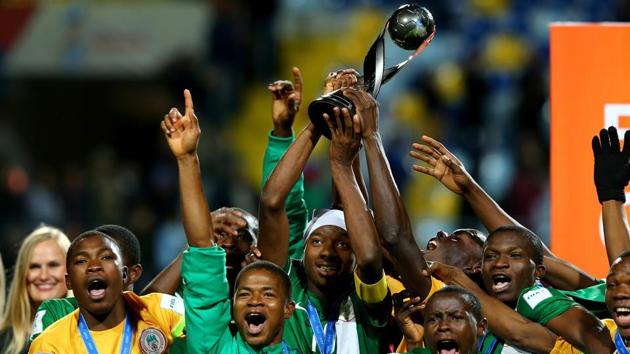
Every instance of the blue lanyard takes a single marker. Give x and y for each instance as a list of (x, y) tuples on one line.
[(619, 343), (325, 344), (125, 347), (490, 347)]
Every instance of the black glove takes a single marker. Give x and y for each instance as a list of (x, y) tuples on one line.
[(612, 166)]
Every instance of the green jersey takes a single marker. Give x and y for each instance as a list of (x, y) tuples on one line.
[(50, 311), (295, 205), (208, 309), (537, 303), (593, 298), (357, 329)]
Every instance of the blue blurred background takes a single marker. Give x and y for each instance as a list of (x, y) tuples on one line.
[(84, 85)]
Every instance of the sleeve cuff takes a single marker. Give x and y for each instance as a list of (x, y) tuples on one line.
[(371, 293)]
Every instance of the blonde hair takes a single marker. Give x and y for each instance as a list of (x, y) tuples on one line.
[(18, 311), (2, 286)]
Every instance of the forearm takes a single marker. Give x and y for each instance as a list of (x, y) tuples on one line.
[(273, 240), (361, 229), (294, 205), (168, 280), (561, 274), (491, 215), (196, 214), (583, 330), (509, 325), (616, 232), (392, 221)]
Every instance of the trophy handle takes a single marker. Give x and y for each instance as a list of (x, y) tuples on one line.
[(374, 63)]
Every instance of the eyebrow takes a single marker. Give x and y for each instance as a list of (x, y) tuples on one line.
[(86, 253)]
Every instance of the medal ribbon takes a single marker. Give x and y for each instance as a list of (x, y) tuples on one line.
[(325, 343), (125, 347)]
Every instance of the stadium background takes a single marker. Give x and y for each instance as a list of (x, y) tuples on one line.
[(84, 84)]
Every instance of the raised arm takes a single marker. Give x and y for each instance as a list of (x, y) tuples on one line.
[(503, 321), (274, 227), (182, 134), (344, 148), (392, 221), (612, 171), (444, 166)]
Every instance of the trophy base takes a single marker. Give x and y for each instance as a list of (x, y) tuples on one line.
[(325, 104)]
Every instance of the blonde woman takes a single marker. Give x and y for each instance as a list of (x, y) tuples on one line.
[(39, 275)]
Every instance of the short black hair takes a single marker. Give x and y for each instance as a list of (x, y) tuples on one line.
[(467, 296), (83, 236), (477, 236), (127, 241), (271, 267), (538, 251)]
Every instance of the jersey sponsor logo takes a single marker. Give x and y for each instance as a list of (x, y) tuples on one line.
[(152, 341), (173, 303), (536, 296)]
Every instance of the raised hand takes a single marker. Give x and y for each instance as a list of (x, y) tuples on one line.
[(443, 165), (182, 132), (286, 99), (448, 274), (413, 332), (612, 168), (340, 79), (345, 137), (367, 109), (227, 221)]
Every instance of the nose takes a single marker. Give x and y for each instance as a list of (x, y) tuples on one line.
[(327, 250), (255, 299), (500, 262), (442, 234), (443, 325), (44, 273), (94, 266)]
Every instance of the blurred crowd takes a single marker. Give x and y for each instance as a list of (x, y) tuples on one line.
[(78, 150)]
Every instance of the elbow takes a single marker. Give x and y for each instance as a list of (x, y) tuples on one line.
[(271, 200), (391, 236)]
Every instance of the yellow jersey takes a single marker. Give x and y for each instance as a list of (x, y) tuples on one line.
[(156, 320)]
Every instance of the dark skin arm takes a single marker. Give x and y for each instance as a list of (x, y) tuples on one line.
[(503, 321), (444, 166), (611, 174), (391, 218), (583, 330), (344, 148), (182, 134), (616, 233), (273, 237)]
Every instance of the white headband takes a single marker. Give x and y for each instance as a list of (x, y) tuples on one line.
[(332, 217)]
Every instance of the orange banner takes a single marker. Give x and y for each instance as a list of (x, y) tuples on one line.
[(590, 90)]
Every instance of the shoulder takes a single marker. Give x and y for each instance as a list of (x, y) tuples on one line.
[(156, 302), (538, 293), (58, 330)]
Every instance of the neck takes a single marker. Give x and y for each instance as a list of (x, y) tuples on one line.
[(108, 320)]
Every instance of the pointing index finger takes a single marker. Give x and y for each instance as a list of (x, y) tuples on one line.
[(297, 79), (189, 102)]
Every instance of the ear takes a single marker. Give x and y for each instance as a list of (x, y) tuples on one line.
[(135, 272), (288, 309), (125, 274), (68, 285), (481, 327), (540, 271)]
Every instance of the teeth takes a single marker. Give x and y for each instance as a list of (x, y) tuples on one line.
[(501, 285), (624, 311)]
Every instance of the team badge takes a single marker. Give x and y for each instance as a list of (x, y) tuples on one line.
[(152, 341)]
